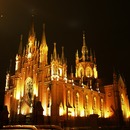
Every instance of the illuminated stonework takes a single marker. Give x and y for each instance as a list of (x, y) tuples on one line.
[(35, 79)]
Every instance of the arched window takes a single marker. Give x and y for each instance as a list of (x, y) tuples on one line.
[(101, 107), (122, 103), (94, 105), (81, 72), (77, 104), (89, 72), (86, 101), (86, 105), (61, 109), (68, 97), (60, 72), (95, 72), (48, 102)]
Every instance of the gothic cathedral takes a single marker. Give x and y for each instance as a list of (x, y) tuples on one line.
[(44, 88)]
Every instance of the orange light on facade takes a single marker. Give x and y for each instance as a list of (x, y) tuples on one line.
[(22, 92), (48, 111), (29, 55), (31, 109), (45, 111), (61, 112), (16, 66), (17, 95), (91, 111), (73, 113), (35, 92), (61, 109), (7, 82), (24, 110), (107, 114), (82, 113), (18, 111), (128, 115), (48, 83)]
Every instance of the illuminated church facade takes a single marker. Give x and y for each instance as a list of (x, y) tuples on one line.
[(61, 97)]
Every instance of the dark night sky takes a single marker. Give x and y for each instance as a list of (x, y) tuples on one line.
[(105, 22)]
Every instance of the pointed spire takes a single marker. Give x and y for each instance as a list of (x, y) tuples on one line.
[(32, 32), (43, 48), (71, 73), (43, 41), (91, 55), (94, 57), (54, 52), (62, 55), (24, 51), (20, 46), (84, 42), (84, 48), (77, 57), (31, 37), (77, 54)]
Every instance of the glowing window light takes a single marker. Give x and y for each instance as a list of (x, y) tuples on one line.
[(16, 65), (31, 109), (49, 111), (61, 111), (35, 90), (60, 71), (18, 95), (29, 55), (23, 112), (107, 114), (82, 113), (18, 111), (65, 79), (128, 115), (45, 112), (95, 72), (73, 113), (88, 72)]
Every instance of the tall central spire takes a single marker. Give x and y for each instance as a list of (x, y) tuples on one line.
[(43, 48), (84, 48), (43, 41), (32, 32), (31, 37)]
